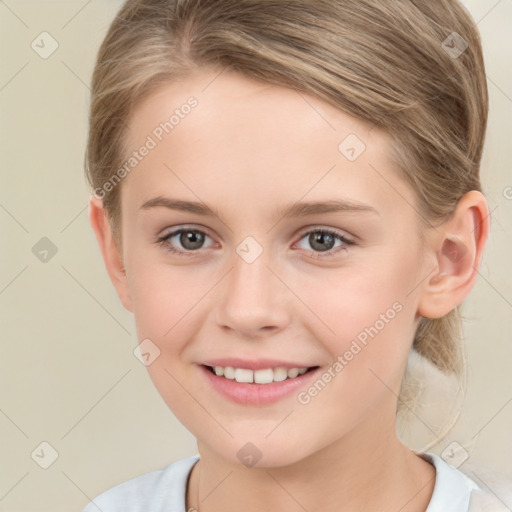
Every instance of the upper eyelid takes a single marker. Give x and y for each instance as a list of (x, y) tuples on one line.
[(337, 232), (170, 231), (301, 232)]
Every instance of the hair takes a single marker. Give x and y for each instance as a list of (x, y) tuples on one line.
[(387, 63)]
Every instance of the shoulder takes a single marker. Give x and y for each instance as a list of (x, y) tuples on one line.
[(163, 489), (460, 491)]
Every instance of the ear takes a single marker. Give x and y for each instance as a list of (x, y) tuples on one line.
[(109, 249), (457, 248)]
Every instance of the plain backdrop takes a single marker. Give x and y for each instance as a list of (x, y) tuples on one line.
[(69, 378)]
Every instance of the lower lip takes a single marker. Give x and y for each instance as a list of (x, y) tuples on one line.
[(256, 394)]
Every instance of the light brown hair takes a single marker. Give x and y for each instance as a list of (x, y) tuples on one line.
[(386, 62)]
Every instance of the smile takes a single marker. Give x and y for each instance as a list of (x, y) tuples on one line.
[(263, 376), (257, 387)]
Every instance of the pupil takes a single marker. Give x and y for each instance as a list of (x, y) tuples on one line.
[(191, 239), (320, 240)]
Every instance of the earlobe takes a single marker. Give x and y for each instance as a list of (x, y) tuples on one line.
[(458, 246), (109, 249)]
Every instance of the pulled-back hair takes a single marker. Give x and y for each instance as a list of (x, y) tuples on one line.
[(411, 67)]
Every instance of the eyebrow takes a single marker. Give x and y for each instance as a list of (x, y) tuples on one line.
[(298, 209)]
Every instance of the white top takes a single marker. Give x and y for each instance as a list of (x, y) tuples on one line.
[(164, 490)]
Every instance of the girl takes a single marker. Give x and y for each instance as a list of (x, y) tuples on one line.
[(287, 197)]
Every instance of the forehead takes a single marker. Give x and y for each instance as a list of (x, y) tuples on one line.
[(227, 100), (254, 138)]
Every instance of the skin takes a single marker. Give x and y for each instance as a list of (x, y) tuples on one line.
[(247, 150)]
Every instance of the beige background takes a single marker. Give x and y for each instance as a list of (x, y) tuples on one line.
[(68, 374)]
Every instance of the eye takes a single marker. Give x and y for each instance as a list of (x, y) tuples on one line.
[(190, 240), (187, 241), (324, 241)]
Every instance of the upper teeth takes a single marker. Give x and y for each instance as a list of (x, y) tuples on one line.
[(259, 376)]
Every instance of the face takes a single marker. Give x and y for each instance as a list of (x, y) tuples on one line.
[(254, 275)]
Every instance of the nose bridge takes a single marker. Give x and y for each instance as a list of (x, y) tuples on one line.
[(253, 296)]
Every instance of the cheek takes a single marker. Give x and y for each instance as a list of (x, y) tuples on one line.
[(163, 296), (368, 353), (347, 300), (366, 317), (165, 306)]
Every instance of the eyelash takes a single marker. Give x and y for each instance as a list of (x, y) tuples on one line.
[(164, 242)]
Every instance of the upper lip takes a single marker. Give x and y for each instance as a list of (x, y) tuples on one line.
[(255, 364)]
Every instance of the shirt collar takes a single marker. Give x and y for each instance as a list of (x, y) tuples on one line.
[(452, 489)]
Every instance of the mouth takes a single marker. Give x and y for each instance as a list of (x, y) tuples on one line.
[(262, 376), (261, 387)]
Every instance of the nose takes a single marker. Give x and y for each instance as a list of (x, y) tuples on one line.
[(254, 301)]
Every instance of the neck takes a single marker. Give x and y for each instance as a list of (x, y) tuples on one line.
[(349, 475)]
